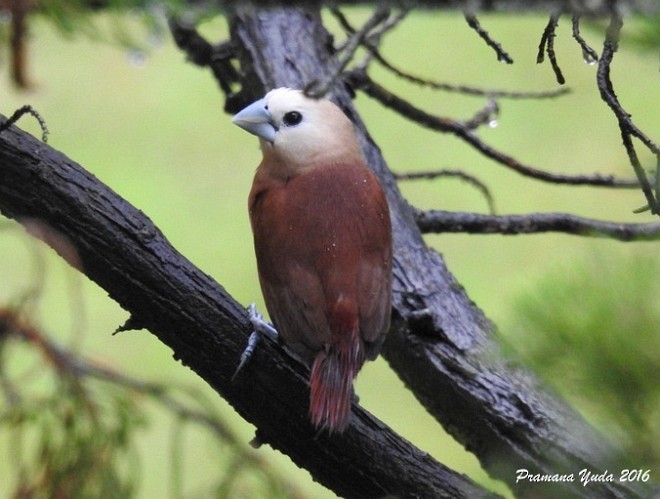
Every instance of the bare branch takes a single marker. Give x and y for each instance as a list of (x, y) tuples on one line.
[(463, 89), (502, 55), (118, 247), (487, 115), (437, 221), (440, 343), (392, 22), (361, 81), (468, 90), (317, 88), (374, 38), (19, 113), (626, 126), (588, 54), (470, 179), (548, 45)]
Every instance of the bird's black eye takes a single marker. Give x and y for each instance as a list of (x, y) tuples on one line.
[(292, 118)]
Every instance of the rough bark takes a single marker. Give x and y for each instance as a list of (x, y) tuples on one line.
[(441, 345), (119, 248)]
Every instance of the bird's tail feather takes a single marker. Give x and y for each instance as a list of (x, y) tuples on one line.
[(331, 384)]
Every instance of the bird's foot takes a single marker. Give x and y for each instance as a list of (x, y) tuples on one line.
[(261, 328)]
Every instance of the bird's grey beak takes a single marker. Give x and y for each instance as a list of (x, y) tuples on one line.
[(257, 120)]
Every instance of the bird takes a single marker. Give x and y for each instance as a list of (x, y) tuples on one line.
[(323, 244)]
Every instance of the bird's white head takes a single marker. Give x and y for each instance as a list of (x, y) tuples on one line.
[(299, 131)]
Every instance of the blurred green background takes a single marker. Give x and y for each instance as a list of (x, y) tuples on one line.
[(151, 126)]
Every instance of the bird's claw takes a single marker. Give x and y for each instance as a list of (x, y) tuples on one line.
[(259, 324), (261, 327)]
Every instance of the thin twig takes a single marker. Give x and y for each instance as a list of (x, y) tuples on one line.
[(502, 55), (487, 115), (467, 90), (463, 89), (390, 23), (318, 89), (19, 113), (588, 54), (436, 221), (374, 39), (548, 45), (626, 126), (361, 81), (470, 179)]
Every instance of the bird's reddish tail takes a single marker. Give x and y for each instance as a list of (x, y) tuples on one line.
[(331, 383)]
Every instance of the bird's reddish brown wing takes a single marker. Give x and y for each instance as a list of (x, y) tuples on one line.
[(374, 291), (323, 245)]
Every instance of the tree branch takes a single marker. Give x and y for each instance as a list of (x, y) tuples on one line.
[(626, 126), (372, 46), (437, 221), (589, 55), (360, 80), (547, 45), (470, 179), (502, 54), (440, 344), (202, 53), (119, 248), (318, 88), (19, 113)]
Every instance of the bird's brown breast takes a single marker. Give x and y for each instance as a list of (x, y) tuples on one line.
[(323, 246)]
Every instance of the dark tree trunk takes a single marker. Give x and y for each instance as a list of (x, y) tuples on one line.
[(440, 343), (119, 248)]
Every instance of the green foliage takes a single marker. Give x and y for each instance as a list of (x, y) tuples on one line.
[(74, 18), (593, 333), (73, 439), (73, 426), (647, 34)]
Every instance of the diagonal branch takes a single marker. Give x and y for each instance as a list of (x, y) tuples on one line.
[(120, 249), (360, 80), (502, 55), (318, 88), (440, 343)]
